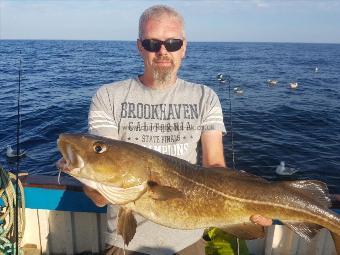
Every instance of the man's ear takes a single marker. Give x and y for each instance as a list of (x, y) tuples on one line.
[(139, 46), (184, 48)]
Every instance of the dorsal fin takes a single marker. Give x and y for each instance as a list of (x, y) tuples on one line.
[(315, 190), (252, 176), (237, 173)]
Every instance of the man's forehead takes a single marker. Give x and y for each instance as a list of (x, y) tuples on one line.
[(165, 24), (164, 19)]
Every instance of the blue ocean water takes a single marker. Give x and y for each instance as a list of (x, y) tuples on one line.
[(269, 123)]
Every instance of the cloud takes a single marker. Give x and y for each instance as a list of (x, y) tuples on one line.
[(261, 3)]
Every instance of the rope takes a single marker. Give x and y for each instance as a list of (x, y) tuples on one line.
[(7, 213)]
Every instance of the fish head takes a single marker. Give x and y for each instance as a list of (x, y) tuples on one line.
[(91, 158)]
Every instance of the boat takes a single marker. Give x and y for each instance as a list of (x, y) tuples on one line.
[(60, 219)]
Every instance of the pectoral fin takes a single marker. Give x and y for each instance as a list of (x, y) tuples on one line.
[(246, 231), (126, 225), (159, 192)]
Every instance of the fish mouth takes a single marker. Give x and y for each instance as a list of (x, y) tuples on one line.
[(73, 162)]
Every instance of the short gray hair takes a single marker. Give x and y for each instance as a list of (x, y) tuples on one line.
[(158, 11)]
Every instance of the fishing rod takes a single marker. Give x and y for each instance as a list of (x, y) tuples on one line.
[(16, 214), (227, 80)]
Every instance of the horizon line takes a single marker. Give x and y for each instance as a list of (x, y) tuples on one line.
[(193, 41)]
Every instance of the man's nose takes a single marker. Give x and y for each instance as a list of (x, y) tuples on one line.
[(162, 50)]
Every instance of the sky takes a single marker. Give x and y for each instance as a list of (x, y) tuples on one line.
[(310, 21)]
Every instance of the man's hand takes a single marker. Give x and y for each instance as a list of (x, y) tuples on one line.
[(95, 196), (260, 220)]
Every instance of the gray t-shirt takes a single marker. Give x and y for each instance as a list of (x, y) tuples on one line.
[(169, 120)]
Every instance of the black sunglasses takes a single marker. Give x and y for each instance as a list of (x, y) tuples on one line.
[(154, 45)]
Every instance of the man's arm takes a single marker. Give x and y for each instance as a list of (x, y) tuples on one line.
[(212, 149), (213, 156)]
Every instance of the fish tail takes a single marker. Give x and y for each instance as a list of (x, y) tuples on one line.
[(332, 223), (336, 239)]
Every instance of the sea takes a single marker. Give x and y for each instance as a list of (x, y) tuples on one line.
[(266, 123)]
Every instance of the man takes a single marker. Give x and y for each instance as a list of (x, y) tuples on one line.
[(162, 112)]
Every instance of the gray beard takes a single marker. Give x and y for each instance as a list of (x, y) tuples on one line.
[(162, 75)]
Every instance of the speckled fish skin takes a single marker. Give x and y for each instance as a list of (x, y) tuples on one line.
[(211, 197)]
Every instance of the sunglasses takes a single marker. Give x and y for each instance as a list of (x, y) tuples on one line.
[(154, 45)]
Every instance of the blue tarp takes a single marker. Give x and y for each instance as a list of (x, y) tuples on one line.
[(60, 200)]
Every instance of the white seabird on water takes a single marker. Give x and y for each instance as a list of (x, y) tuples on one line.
[(10, 153), (316, 69), (272, 82), (283, 170), (238, 90), (293, 85), (220, 77)]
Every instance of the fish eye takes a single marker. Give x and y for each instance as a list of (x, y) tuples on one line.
[(99, 147)]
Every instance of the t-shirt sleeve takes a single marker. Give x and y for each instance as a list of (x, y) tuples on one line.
[(101, 119), (212, 115)]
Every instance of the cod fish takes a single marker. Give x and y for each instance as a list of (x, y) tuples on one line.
[(174, 193)]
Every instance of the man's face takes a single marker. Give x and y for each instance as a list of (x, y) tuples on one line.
[(162, 65)]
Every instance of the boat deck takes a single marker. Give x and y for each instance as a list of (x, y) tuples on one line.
[(60, 219)]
